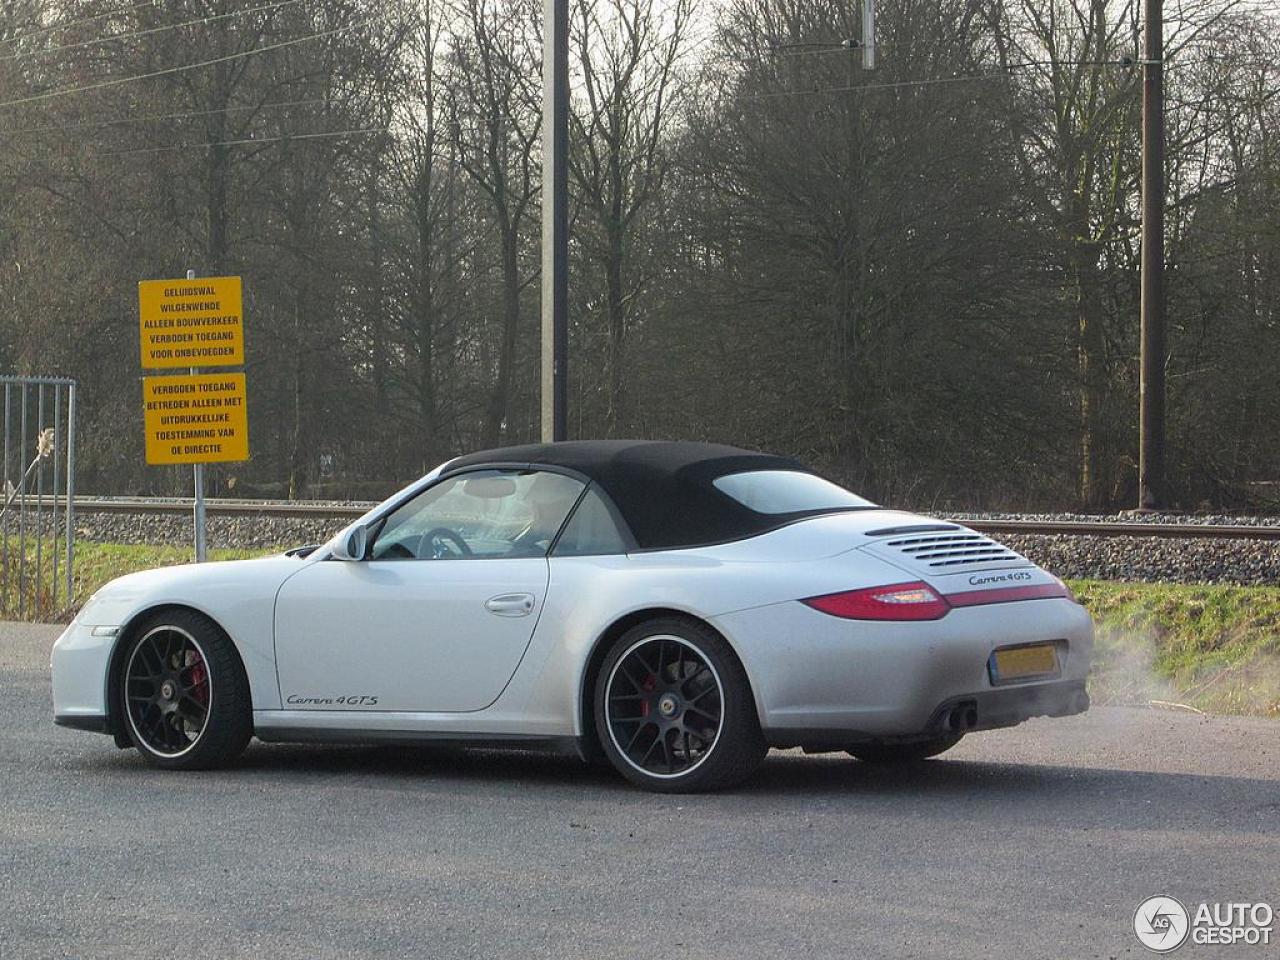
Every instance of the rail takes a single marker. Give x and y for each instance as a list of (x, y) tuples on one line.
[(303, 509)]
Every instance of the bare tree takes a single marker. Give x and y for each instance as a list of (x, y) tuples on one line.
[(493, 110), (1075, 107), (627, 59)]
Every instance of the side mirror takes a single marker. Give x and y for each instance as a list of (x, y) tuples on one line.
[(352, 543)]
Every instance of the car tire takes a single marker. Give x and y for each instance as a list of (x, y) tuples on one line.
[(907, 751), (674, 710), (182, 695)]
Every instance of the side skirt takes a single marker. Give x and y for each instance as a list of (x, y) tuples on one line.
[(565, 746)]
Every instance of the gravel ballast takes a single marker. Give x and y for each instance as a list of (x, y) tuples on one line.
[(1147, 559), (1153, 559)]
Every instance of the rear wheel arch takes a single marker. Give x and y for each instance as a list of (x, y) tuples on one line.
[(115, 722), (589, 740)]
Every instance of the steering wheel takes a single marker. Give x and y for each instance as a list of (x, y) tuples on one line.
[(434, 540)]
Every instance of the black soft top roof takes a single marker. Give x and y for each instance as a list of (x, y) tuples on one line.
[(663, 489)]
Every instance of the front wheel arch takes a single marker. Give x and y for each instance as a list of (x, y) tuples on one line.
[(115, 724), (589, 739)]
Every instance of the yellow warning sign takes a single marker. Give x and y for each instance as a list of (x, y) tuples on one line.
[(198, 418), (191, 323)]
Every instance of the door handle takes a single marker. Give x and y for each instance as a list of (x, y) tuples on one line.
[(510, 604)]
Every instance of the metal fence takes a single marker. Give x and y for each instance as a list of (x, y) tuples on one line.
[(37, 520)]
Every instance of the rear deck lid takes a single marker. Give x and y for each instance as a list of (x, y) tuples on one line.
[(954, 559)]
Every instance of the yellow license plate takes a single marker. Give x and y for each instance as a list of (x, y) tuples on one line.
[(1018, 663)]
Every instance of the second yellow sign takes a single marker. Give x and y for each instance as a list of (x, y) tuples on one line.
[(198, 418)]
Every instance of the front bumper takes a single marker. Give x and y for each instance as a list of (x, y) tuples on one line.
[(83, 721), (79, 663), (821, 679)]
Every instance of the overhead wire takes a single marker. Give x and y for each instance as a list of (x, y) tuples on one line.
[(999, 72), (182, 68), (164, 28), (243, 141), (855, 88), (184, 115), (54, 28)]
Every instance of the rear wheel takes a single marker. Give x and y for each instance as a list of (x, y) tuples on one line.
[(183, 693), (674, 710), (905, 752)]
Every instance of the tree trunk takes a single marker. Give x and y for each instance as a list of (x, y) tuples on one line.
[(617, 414), (297, 448), (375, 320), (500, 397), (1092, 373), (217, 175), (425, 326)]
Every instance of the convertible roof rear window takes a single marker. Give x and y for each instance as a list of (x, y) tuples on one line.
[(787, 491)]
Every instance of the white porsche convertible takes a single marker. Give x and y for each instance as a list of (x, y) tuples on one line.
[(676, 608)]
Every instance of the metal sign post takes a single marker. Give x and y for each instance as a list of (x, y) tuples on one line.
[(197, 481)]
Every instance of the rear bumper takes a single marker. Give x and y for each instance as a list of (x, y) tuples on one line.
[(821, 679), (985, 710), (1008, 706)]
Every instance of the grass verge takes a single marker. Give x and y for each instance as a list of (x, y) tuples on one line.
[(23, 596), (1211, 648)]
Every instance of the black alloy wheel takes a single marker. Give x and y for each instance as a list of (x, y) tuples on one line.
[(183, 692), (674, 710)]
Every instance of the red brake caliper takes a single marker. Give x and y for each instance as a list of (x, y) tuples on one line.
[(650, 683), (199, 689)]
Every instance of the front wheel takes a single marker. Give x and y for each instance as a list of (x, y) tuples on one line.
[(183, 693), (905, 752), (674, 710)]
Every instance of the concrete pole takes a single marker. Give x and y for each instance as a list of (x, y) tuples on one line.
[(868, 34), (555, 219), (1151, 454)]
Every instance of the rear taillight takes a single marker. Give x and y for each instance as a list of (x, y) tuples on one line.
[(898, 601), (918, 601)]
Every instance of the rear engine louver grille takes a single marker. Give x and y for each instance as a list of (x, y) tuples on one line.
[(953, 549)]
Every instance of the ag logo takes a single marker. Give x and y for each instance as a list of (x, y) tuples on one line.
[(1161, 924)]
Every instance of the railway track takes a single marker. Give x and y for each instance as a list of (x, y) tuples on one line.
[(301, 509)]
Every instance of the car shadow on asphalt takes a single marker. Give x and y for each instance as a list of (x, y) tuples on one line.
[(960, 788)]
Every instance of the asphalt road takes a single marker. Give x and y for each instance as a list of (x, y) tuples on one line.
[(1033, 842)]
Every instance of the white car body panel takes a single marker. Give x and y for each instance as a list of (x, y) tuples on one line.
[(395, 635), (413, 643), (884, 679), (238, 594)]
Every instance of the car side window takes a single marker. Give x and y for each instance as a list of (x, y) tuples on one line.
[(480, 514), (593, 530)]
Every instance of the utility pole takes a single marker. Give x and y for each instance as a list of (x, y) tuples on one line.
[(868, 34), (1151, 459), (555, 218)]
